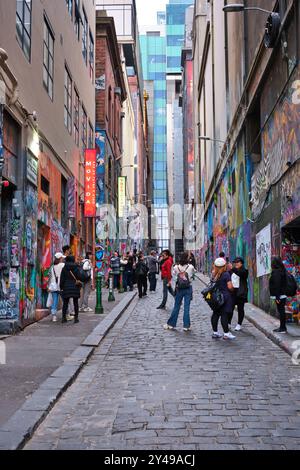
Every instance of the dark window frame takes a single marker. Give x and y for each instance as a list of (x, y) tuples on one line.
[(24, 31), (76, 119), (85, 33), (84, 128), (50, 58), (91, 56), (68, 100)]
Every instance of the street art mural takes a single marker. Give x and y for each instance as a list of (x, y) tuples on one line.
[(190, 129), (280, 146), (291, 260), (263, 251), (100, 141), (29, 256), (71, 189)]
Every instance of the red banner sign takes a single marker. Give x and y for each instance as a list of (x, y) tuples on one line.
[(90, 183)]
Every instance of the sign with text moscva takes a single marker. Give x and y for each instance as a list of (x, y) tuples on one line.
[(90, 183)]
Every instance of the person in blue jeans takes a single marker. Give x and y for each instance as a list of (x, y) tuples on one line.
[(54, 281), (184, 291)]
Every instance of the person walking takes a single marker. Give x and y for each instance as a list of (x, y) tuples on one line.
[(87, 285), (239, 279), (184, 272), (277, 286), (70, 285), (54, 283), (166, 276), (141, 271), (153, 270), (222, 279), (115, 264)]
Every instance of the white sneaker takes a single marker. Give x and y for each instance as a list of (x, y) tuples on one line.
[(217, 335), (228, 336), (70, 317), (238, 328), (187, 329), (88, 309), (82, 309), (168, 327), (54, 318)]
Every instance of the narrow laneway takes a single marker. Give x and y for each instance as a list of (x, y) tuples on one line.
[(147, 388)]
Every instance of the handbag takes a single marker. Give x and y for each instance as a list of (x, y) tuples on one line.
[(77, 282), (213, 296), (49, 300), (53, 283)]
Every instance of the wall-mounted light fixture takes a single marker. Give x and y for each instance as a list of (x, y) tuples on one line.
[(272, 25)]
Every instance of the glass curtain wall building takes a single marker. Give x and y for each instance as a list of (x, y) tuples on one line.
[(153, 48), (175, 28)]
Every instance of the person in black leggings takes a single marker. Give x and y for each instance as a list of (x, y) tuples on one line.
[(277, 285), (223, 282), (70, 284), (239, 274)]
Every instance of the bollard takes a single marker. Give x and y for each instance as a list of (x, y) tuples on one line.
[(111, 297), (99, 307), (121, 289)]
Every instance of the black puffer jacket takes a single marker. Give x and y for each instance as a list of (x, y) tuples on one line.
[(277, 283), (242, 292), (67, 281)]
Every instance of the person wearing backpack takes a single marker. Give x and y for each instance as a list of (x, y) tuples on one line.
[(87, 285), (222, 282), (54, 283), (279, 290), (141, 271), (184, 291), (71, 281)]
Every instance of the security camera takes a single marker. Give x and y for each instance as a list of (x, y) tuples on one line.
[(34, 116)]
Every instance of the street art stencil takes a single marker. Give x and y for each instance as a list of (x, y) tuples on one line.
[(100, 147), (263, 251)]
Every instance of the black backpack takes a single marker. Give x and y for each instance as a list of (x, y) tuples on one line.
[(183, 280), (213, 296), (291, 285)]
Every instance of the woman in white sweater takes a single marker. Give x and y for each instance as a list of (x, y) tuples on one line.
[(184, 273), (54, 281)]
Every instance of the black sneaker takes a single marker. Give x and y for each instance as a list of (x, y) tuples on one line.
[(161, 307), (76, 320), (64, 320), (280, 330)]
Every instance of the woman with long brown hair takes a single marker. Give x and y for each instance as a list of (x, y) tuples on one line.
[(222, 278)]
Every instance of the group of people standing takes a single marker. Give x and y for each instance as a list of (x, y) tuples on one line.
[(70, 280), (138, 269)]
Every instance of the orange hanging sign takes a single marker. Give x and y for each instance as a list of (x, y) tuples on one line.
[(90, 183)]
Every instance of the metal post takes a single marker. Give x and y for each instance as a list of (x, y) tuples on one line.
[(99, 307), (121, 290), (111, 297)]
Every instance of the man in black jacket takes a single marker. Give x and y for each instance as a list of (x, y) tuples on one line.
[(141, 271), (239, 280)]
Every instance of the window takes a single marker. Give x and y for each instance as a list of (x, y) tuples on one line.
[(84, 37), (91, 136), (23, 18), (48, 66), (70, 7), (45, 185), (76, 117), (77, 19), (84, 129), (174, 62), (68, 101), (91, 57)]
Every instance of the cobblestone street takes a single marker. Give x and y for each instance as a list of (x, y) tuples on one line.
[(147, 388)]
